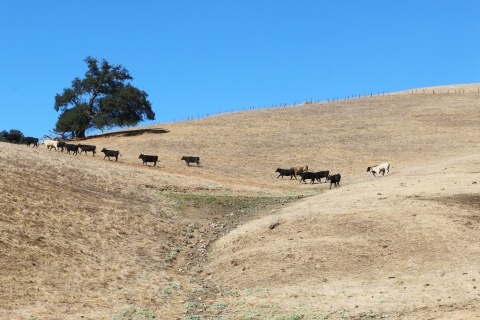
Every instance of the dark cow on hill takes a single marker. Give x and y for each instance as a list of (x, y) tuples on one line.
[(335, 180), (111, 153), (85, 148), (71, 147), (307, 175), (321, 174), (286, 172), (31, 140), (61, 144), (146, 159), (11, 137), (191, 159)]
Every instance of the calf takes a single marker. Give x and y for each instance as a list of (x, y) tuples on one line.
[(146, 159), (383, 168), (191, 159), (335, 180), (85, 148), (111, 153), (321, 174), (300, 169), (307, 175), (286, 172), (31, 140), (71, 147)]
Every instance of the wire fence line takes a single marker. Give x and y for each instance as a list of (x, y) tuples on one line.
[(349, 97)]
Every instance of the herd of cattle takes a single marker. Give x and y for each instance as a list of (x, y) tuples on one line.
[(303, 172), (75, 148)]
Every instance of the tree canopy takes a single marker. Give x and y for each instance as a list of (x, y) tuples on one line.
[(13, 135), (103, 99)]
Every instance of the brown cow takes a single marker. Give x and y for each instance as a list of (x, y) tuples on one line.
[(300, 169)]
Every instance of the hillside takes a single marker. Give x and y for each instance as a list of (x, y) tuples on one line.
[(86, 237), (341, 136)]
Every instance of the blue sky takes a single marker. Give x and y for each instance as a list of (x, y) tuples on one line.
[(199, 57)]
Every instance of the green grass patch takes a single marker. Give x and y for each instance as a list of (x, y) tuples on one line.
[(136, 313)]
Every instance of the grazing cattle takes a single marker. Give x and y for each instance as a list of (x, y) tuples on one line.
[(307, 175), (85, 148), (146, 159), (191, 159), (111, 153), (383, 168), (50, 144), (286, 172), (300, 169), (61, 144), (335, 180), (321, 174), (31, 140), (71, 147)]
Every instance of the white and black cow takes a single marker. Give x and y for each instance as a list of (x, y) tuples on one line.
[(383, 168)]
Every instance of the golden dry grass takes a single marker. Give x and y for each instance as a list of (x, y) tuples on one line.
[(82, 236), (341, 136)]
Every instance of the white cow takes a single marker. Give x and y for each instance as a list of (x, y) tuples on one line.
[(381, 168), (50, 144)]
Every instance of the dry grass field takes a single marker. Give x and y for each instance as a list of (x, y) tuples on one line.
[(86, 238)]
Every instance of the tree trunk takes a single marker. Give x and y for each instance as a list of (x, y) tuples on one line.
[(81, 133)]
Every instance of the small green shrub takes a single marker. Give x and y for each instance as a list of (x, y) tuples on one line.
[(219, 305), (170, 287), (289, 317), (189, 305), (229, 292), (136, 313)]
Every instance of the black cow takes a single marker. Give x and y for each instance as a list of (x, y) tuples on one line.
[(71, 147), (146, 159), (307, 175), (191, 159), (335, 180), (111, 153), (321, 174), (85, 148), (286, 172), (61, 144), (31, 140)]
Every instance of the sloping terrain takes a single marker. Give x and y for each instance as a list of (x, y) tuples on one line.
[(84, 237), (341, 136), (403, 245)]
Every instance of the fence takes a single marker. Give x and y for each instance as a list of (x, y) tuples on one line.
[(350, 97)]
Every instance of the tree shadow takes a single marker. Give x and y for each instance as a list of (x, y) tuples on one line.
[(126, 133)]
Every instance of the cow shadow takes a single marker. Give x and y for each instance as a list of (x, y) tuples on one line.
[(126, 133)]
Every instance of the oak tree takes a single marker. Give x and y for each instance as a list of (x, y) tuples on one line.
[(103, 99)]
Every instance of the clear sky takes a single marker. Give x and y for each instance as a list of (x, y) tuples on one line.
[(199, 57)]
